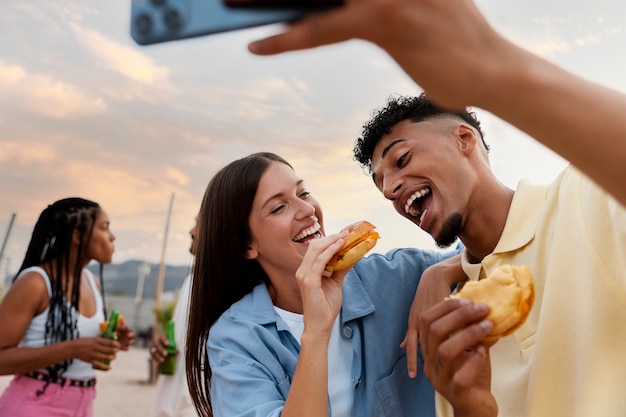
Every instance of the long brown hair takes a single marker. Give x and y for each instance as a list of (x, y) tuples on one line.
[(222, 274)]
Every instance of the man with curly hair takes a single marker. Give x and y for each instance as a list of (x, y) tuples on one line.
[(433, 165)]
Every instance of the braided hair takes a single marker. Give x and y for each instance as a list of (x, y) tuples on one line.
[(49, 247)]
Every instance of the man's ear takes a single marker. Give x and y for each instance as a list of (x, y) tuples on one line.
[(466, 138), (251, 252)]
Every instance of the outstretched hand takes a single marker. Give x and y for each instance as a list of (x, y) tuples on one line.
[(446, 46), (450, 50)]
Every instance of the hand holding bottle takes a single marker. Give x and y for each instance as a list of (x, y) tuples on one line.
[(168, 365), (126, 336), (110, 333), (94, 350), (157, 349)]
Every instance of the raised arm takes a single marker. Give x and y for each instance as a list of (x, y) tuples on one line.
[(450, 50)]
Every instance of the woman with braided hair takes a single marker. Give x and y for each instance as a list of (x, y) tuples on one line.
[(51, 314)]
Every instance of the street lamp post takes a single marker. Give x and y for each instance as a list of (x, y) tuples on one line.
[(143, 270)]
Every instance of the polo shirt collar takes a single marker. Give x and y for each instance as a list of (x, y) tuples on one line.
[(523, 217), (521, 223)]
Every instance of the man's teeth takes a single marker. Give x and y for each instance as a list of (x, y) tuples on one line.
[(307, 232), (418, 194)]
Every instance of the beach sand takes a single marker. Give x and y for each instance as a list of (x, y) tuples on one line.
[(124, 391)]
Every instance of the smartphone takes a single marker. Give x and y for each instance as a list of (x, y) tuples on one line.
[(305, 4), (157, 21)]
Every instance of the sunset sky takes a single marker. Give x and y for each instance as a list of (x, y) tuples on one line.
[(84, 111)]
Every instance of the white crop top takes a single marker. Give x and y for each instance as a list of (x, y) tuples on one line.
[(87, 326)]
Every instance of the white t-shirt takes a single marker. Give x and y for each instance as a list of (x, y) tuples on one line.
[(340, 354)]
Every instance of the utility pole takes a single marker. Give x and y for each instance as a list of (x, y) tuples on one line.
[(4, 244), (6, 236), (159, 288), (143, 270)]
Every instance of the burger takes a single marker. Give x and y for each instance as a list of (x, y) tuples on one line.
[(509, 291), (361, 239)]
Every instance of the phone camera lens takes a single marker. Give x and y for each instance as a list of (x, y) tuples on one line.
[(173, 19), (143, 23)]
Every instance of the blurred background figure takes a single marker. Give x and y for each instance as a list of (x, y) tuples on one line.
[(51, 315), (172, 397)]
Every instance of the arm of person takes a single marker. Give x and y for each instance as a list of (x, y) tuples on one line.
[(257, 367), (321, 300), (435, 284), (27, 298), (450, 50), (249, 374)]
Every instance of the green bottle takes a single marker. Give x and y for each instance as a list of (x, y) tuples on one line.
[(110, 332), (168, 366)]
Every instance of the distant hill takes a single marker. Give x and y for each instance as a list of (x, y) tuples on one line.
[(121, 279)]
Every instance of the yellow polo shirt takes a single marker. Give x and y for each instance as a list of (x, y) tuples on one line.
[(569, 358)]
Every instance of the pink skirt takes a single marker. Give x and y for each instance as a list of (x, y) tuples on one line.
[(20, 399)]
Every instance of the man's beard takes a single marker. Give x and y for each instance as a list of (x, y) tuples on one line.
[(450, 231)]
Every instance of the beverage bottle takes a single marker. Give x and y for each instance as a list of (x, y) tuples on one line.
[(168, 366), (110, 331)]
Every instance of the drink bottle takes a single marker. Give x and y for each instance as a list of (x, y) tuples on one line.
[(110, 331), (168, 366)]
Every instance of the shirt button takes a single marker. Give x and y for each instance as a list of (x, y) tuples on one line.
[(347, 331)]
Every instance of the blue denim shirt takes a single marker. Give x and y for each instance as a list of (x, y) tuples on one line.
[(253, 355)]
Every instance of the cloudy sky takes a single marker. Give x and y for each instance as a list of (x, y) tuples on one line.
[(85, 111)]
